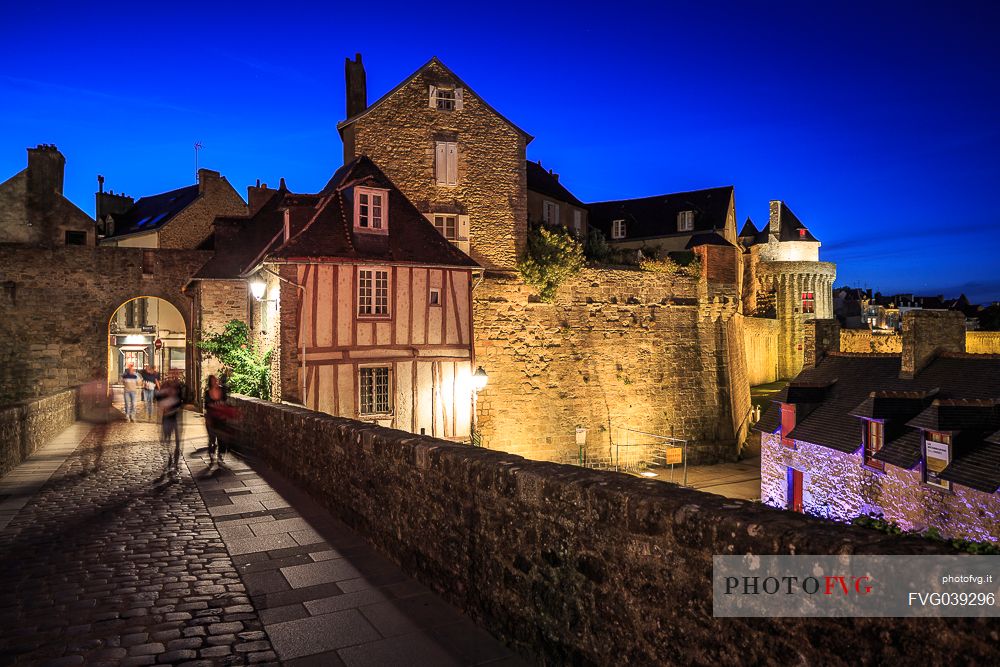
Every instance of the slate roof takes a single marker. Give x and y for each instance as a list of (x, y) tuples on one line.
[(150, 213), (322, 229), (656, 217), (791, 227), (434, 60), (959, 393), (545, 183), (707, 238)]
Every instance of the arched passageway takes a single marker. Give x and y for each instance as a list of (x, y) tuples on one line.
[(147, 331)]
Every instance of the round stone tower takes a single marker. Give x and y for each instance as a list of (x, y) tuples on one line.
[(786, 281)]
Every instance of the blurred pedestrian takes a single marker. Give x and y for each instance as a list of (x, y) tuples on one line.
[(216, 412), (170, 409), (130, 385), (150, 383)]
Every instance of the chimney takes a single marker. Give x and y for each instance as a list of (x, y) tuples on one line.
[(357, 87), (927, 333), (820, 338), (206, 177), (46, 167), (257, 196), (774, 222)]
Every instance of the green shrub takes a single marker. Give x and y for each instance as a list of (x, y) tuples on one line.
[(552, 257), (880, 524), (597, 247), (248, 370)]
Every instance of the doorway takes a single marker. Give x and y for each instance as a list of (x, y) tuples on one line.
[(794, 491), (144, 331)]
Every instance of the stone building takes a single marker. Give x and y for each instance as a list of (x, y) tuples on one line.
[(550, 203), (367, 309), (668, 223), (453, 155), (33, 209), (785, 281), (912, 437), (178, 219)]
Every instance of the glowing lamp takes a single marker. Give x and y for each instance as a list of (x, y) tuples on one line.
[(257, 288), (479, 379)]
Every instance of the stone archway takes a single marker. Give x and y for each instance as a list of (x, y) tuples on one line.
[(148, 330)]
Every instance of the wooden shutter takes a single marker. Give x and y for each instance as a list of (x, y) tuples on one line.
[(458, 99), (432, 96), (452, 163), (463, 228), (441, 163)]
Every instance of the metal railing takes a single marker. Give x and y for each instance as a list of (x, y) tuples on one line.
[(638, 453)]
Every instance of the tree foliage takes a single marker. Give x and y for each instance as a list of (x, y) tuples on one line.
[(247, 369), (553, 255)]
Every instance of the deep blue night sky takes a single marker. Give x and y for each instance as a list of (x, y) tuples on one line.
[(877, 122)]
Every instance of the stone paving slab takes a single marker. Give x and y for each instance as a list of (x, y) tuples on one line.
[(324, 595)]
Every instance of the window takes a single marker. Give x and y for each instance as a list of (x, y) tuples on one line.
[(618, 229), (371, 210), (577, 223), (446, 99), (808, 302), (376, 397), (685, 221), (874, 438), (373, 292), (446, 162), (550, 213), (937, 456), (76, 238), (434, 298), (447, 225), (148, 258), (802, 233)]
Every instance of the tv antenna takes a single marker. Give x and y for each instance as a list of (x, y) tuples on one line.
[(197, 147)]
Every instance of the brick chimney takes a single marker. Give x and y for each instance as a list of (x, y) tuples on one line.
[(774, 221), (46, 168), (207, 178), (357, 86), (820, 338), (927, 333)]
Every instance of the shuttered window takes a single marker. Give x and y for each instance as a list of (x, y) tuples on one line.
[(550, 213), (446, 99), (446, 163)]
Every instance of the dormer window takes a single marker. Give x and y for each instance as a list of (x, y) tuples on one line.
[(937, 456), (445, 99), (874, 439), (685, 221), (618, 229), (802, 233), (371, 210)]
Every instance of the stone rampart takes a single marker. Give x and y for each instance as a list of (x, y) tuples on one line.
[(617, 348), (863, 340), (760, 336), (578, 567), (982, 342), (27, 425)]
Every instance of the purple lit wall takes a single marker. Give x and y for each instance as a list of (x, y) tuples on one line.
[(836, 486)]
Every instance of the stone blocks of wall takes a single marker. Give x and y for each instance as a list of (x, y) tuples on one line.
[(55, 305), (982, 342), (400, 134), (190, 227), (837, 486), (863, 340), (27, 425), (616, 348), (218, 302), (573, 566), (761, 345)]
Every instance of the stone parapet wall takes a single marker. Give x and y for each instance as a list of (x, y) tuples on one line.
[(617, 348), (760, 336), (573, 566), (863, 340), (982, 342), (27, 425)]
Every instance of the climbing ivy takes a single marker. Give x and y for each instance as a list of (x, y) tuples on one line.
[(248, 370)]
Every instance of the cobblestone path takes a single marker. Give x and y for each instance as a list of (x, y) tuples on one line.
[(116, 561)]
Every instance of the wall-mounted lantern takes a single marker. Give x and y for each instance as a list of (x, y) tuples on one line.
[(258, 287), (479, 380)]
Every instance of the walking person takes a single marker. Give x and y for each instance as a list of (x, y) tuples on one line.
[(215, 418), (170, 409), (150, 383), (130, 386)]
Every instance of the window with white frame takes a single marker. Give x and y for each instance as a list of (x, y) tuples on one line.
[(447, 225), (685, 221), (373, 292), (550, 213), (446, 99), (371, 211), (446, 162), (618, 229), (375, 385)]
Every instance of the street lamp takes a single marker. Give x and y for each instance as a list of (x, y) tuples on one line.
[(479, 380), (257, 288)]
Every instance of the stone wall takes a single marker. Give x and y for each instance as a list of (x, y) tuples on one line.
[(216, 303), (837, 486), (617, 348), (400, 134), (760, 339), (27, 425), (982, 342), (578, 567), (190, 227), (863, 340), (55, 305)]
